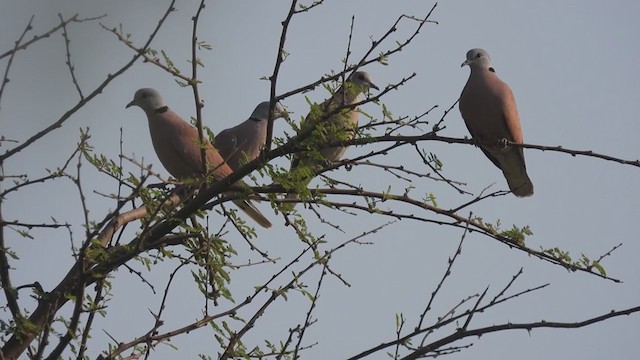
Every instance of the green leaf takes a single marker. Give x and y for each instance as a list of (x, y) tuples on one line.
[(599, 267)]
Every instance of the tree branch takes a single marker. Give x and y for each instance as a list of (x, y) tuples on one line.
[(514, 326), (39, 318)]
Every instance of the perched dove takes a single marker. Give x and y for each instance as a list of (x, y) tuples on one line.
[(489, 110), (341, 126), (243, 143), (177, 146)]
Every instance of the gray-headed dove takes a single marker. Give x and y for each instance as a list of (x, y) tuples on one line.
[(243, 143), (489, 110), (341, 126)]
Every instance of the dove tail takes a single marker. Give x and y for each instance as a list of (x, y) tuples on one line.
[(253, 212), (520, 184), (514, 169)]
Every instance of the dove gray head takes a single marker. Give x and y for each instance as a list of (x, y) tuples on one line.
[(362, 79), (262, 111), (477, 58), (148, 100)]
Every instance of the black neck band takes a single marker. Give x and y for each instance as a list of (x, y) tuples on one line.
[(161, 110)]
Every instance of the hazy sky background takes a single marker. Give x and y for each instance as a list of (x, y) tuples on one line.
[(572, 66)]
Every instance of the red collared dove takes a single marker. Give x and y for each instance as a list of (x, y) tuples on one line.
[(177, 145), (341, 126), (489, 110), (243, 143)]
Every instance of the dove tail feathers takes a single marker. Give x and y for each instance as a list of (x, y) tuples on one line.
[(253, 212), (519, 184)]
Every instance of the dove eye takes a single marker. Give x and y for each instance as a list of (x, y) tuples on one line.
[(478, 55)]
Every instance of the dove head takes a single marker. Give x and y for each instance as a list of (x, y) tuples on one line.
[(262, 111), (477, 58), (147, 99), (363, 80)]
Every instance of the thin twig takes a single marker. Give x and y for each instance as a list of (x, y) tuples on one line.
[(68, 52), (517, 326), (5, 78), (273, 79), (446, 274), (456, 220), (44, 313), (36, 38), (98, 90), (195, 62), (307, 321)]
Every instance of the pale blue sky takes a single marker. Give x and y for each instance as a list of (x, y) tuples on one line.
[(572, 66)]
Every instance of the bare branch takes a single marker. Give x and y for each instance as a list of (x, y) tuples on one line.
[(36, 38), (307, 321), (455, 219), (516, 326), (110, 77), (68, 52), (273, 79), (195, 62), (446, 274), (42, 315), (5, 78)]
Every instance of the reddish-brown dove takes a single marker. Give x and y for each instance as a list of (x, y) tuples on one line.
[(489, 110), (176, 143), (341, 126), (243, 143)]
